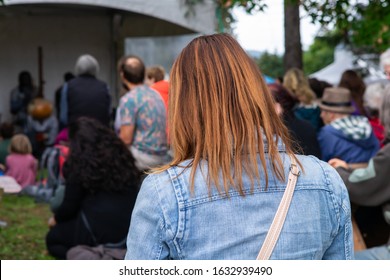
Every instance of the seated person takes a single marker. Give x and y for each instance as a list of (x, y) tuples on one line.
[(344, 136), (6, 133), (101, 185), (369, 186), (20, 164), (42, 126)]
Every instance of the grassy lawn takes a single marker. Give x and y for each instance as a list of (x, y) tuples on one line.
[(24, 236)]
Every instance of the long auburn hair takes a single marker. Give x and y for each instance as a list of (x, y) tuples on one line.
[(352, 81), (220, 110)]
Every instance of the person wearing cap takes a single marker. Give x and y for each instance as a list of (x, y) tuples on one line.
[(85, 95), (344, 136)]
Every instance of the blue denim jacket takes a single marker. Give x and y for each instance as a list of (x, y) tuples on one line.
[(168, 222)]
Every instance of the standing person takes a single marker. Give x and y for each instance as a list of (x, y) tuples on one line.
[(352, 81), (318, 86), (20, 164), (344, 136), (230, 164), (303, 134), (101, 184), (296, 82), (21, 96), (142, 117), (155, 79), (85, 95), (57, 96)]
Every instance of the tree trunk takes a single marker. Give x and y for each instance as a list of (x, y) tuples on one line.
[(292, 35)]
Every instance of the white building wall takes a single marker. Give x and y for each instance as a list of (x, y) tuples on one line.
[(63, 39)]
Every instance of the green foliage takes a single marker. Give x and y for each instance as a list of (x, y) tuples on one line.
[(24, 236), (329, 11), (364, 25), (321, 52), (319, 55), (271, 64), (249, 6), (224, 10), (372, 30), (317, 59)]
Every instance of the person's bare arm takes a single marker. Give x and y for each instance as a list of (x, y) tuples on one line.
[(354, 166), (126, 134), (335, 162)]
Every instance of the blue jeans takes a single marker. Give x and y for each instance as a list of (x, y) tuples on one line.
[(375, 253)]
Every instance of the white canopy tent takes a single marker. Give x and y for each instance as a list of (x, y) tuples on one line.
[(202, 20), (66, 29), (344, 60)]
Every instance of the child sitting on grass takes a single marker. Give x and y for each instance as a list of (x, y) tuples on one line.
[(20, 164)]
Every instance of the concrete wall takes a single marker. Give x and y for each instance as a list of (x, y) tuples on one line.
[(158, 50), (62, 37)]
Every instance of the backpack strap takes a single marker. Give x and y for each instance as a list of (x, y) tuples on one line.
[(52, 164), (87, 225), (43, 162), (120, 244)]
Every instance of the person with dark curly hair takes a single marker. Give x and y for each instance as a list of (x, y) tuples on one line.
[(101, 185)]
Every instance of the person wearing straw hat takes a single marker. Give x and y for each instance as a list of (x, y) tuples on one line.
[(344, 136)]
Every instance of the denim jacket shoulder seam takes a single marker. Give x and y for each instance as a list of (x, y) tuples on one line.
[(160, 247), (333, 198), (162, 220), (178, 190)]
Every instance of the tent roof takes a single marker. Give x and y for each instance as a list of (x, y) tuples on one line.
[(172, 11), (344, 60)]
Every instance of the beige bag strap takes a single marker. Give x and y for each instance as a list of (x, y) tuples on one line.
[(277, 224)]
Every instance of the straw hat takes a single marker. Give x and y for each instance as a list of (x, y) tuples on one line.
[(338, 100)]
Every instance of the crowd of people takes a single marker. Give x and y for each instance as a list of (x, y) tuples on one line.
[(179, 166)]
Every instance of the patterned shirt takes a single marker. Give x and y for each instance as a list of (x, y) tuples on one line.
[(144, 108)]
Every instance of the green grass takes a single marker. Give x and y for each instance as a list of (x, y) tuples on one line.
[(24, 236)]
